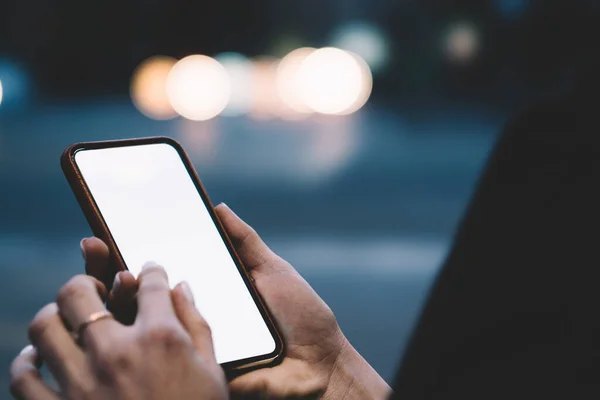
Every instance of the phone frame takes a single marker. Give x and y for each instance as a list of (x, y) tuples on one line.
[(100, 229)]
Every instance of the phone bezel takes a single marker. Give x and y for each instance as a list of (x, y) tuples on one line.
[(100, 229)]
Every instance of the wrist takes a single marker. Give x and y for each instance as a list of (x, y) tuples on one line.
[(353, 377)]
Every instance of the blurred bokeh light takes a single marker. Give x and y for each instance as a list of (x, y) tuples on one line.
[(16, 85), (239, 69), (266, 103), (462, 42), (198, 87), (1, 92), (149, 88), (366, 40), (365, 89), (331, 80), (288, 82)]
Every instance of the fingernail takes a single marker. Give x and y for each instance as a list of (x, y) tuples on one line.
[(126, 273), (81, 246), (117, 281), (27, 349), (187, 292), (149, 264)]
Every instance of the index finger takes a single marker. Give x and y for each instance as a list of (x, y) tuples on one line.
[(154, 295)]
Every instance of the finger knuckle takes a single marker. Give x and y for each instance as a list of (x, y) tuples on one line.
[(80, 386), (74, 289), (40, 323), (250, 237), (329, 316), (202, 326), (166, 337), (149, 287), (112, 362)]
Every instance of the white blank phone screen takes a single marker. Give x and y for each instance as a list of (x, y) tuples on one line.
[(155, 213)]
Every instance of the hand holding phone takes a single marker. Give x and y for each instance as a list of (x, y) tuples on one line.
[(318, 357), (143, 198)]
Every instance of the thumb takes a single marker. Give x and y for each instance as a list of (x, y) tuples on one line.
[(252, 250), (192, 321)]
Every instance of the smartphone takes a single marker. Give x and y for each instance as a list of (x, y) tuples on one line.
[(145, 200)]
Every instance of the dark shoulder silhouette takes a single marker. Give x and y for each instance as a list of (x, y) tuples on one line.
[(515, 310)]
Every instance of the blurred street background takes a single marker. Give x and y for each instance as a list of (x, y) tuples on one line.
[(350, 133)]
